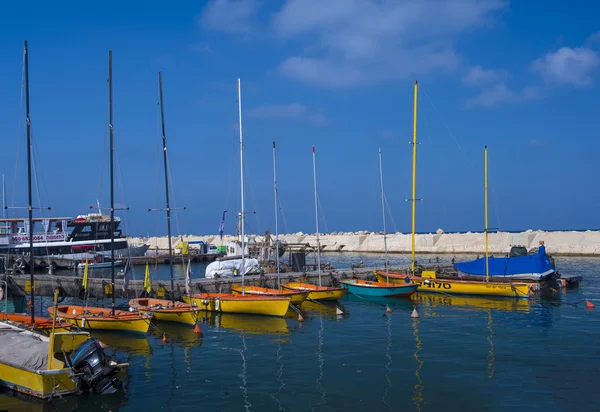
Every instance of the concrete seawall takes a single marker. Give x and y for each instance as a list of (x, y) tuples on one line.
[(565, 243)]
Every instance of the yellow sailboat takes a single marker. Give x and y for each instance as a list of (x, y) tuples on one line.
[(317, 292), (428, 281), (245, 302)]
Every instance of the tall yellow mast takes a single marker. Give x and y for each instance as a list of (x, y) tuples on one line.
[(414, 175), (485, 191)]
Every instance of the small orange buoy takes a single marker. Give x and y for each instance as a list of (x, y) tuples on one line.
[(589, 304), (388, 309), (300, 318), (197, 329), (164, 339)]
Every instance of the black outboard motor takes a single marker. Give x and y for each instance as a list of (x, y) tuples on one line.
[(91, 364)]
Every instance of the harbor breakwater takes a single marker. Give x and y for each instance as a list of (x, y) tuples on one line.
[(565, 243)]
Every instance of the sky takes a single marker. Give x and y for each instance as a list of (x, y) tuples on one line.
[(517, 77)]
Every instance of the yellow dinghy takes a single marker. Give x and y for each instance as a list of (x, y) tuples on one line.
[(35, 364), (461, 287), (93, 318), (316, 292), (234, 303), (295, 297), (166, 310)]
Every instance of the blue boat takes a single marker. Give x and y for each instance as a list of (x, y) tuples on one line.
[(519, 265), (370, 288)]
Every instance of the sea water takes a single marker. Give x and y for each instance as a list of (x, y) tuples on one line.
[(460, 354)]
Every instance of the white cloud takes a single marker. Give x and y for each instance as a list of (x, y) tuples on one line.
[(231, 16), (499, 94), (568, 66), (369, 41), (477, 75), (292, 111), (594, 39), (346, 43)]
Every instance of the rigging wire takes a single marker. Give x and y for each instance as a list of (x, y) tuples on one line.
[(282, 215), (18, 132), (322, 214), (387, 205)]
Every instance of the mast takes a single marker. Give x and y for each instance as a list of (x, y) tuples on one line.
[(317, 215), (112, 188), (485, 191), (164, 142), (30, 200), (276, 218), (241, 184), (383, 216), (414, 177)]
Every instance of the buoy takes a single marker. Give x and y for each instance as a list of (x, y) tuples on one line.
[(300, 318), (338, 311), (589, 304), (414, 313), (197, 329), (388, 309), (164, 339)]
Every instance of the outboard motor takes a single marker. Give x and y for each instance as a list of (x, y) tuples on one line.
[(91, 364)]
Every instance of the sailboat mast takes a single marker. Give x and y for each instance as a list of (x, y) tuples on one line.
[(485, 191), (112, 188), (242, 266), (317, 215), (276, 217), (383, 216), (30, 197), (168, 208), (414, 177)]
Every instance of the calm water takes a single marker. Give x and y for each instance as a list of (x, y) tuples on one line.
[(461, 354)]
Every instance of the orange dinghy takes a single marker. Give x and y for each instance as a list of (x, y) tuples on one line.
[(41, 323), (93, 318), (316, 292), (295, 297), (234, 303), (166, 310)]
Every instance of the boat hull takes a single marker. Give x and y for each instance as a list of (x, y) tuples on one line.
[(316, 292), (381, 289), (90, 318), (462, 287), (41, 384), (295, 297), (164, 310), (42, 324), (232, 303)]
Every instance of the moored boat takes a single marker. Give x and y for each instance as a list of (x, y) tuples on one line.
[(40, 323), (461, 287), (295, 297), (93, 318), (370, 288), (166, 310), (35, 364), (234, 303), (316, 292)]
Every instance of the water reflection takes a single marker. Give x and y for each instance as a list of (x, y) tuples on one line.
[(326, 309), (182, 335), (321, 359), (491, 355), (418, 388), (388, 366), (247, 403), (246, 323), (129, 343), (477, 302), (279, 360)]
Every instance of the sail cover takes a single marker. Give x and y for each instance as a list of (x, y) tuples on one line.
[(530, 267)]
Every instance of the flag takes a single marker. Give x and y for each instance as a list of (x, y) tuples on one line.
[(126, 272), (85, 274), (147, 284), (188, 278), (222, 224)]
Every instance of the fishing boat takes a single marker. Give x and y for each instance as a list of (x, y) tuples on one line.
[(428, 280), (317, 292), (244, 302), (97, 318), (377, 288), (40, 323), (164, 309)]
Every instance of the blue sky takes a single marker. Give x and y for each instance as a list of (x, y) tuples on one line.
[(516, 76)]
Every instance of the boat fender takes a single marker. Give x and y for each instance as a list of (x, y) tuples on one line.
[(204, 302), (218, 304), (2, 295), (61, 294), (82, 321)]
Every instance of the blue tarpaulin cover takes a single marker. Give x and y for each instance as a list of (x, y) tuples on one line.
[(527, 267)]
